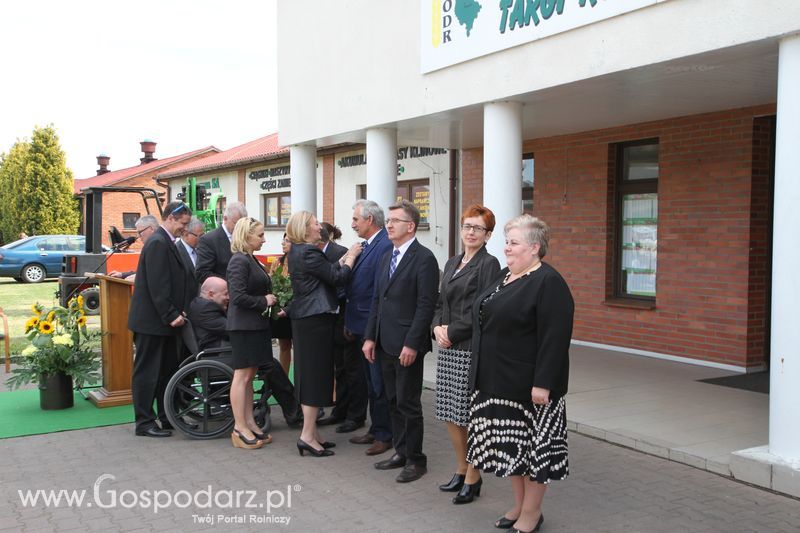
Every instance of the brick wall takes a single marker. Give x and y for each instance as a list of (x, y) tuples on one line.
[(328, 188), (714, 209)]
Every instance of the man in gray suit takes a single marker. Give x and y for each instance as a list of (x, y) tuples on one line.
[(187, 249)]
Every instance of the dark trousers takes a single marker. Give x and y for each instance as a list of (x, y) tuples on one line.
[(381, 422), (155, 362), (351, 382), (404, 392), (282, 389)]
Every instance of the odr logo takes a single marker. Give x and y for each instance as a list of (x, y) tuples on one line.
[(443, 12)]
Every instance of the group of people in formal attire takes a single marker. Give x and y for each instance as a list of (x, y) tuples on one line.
[(359, 324)]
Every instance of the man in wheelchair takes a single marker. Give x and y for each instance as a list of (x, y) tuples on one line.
[(208, 316)]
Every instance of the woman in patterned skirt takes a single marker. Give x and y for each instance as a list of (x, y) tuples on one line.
[(519, 373), (465, 276)]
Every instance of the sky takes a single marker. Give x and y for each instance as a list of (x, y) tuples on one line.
[(107, 75)]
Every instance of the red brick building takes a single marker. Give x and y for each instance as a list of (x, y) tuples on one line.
[(121, 210)]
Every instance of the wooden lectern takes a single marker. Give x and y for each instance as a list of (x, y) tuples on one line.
[(117, 342)]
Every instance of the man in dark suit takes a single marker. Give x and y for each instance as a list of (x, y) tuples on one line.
[(367, 222), (209, 320), (155, 316), (214, 248), (187, 250), (347, 412), (398, 333)]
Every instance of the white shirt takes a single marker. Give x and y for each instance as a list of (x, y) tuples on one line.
[(403, 249), (369, 241), (189, 250), (230, 236)]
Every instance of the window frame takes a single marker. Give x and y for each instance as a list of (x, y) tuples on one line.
[(265, 200), (525, 189), (622, 188), (410, 184), (132, 227)]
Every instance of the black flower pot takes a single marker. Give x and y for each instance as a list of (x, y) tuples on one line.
[(55, 392)]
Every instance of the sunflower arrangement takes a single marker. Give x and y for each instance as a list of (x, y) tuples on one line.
[(59, 343)]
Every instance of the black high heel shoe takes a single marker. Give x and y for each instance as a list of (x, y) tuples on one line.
[(454, 485), (303, 446), (468, 492), (534, 530), (328, 444)]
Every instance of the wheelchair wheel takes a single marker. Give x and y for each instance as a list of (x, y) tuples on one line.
[(197, 399)]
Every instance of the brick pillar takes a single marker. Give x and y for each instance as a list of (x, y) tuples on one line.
[(240, 186), (328, 188)]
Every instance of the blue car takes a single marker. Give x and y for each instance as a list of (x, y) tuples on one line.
[(33, 259)]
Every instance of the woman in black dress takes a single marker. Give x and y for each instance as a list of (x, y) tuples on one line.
[(465, 276), (250, 290), (313, 312), (520, 370)]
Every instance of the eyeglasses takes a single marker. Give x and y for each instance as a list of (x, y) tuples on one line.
[(396, 220), (140, 231), (194, 234), (182, 206), (469, 227)]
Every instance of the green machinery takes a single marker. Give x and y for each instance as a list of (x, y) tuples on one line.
[(203, 204)]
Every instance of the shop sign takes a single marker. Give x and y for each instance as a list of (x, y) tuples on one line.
[(272, 173), (453, 31), (406, 152)]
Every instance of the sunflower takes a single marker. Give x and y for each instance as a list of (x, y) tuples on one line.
[(81, 321), (50, 316), (31, 323), (36, 309), (45, 327), (80, 302)]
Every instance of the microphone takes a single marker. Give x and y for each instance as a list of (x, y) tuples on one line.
[(123, 244)]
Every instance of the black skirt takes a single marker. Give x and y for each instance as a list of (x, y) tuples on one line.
[(250, 348), (312, 341), (510, 438), (281, 328)]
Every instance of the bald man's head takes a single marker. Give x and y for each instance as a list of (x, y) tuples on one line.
[(216, 290)]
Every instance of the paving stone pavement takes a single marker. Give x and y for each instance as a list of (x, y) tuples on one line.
[(610, 488)]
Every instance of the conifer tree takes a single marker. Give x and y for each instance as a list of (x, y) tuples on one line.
[(40, 190), (12, 168)]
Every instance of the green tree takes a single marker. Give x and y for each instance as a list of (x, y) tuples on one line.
[(12, 168), (40, 198)]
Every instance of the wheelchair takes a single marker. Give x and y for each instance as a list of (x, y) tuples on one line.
[(197, 397)]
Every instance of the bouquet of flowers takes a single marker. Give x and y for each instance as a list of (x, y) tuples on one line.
[(282, 289), (59, 343)]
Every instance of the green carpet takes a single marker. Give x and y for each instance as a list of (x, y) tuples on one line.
[(20, 415)]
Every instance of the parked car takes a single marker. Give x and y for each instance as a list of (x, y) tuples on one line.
[(33, 259)]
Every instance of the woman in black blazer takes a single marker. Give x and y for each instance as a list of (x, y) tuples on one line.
[(465, 276), (522, 326), (313, 312), (250, 290)]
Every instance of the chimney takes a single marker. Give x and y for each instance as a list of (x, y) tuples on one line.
[(149, 148), (102, 161)]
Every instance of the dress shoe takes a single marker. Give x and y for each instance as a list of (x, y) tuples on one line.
[(153, 431), (411, 473), (454, 485), (504, 523), (240, 441), (303, 447), (328, 421), (328, 445), (379, 447), (349, 426), (534, 530), (395, 461), (367, 438), (166, 425), (468, 492)]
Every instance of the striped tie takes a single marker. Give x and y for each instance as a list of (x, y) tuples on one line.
[(393, 264)]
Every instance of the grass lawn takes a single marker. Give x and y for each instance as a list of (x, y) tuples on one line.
[(16, 300)]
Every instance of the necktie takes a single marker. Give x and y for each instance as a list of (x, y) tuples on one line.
[(194, 257), (364, 245), (393, 264)]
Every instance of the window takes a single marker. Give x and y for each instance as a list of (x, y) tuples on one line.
[(277, 210), (418, 193), (527, 184), (53, 244), (636, 221), (361, 191), (76, 244), (129, 220)]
